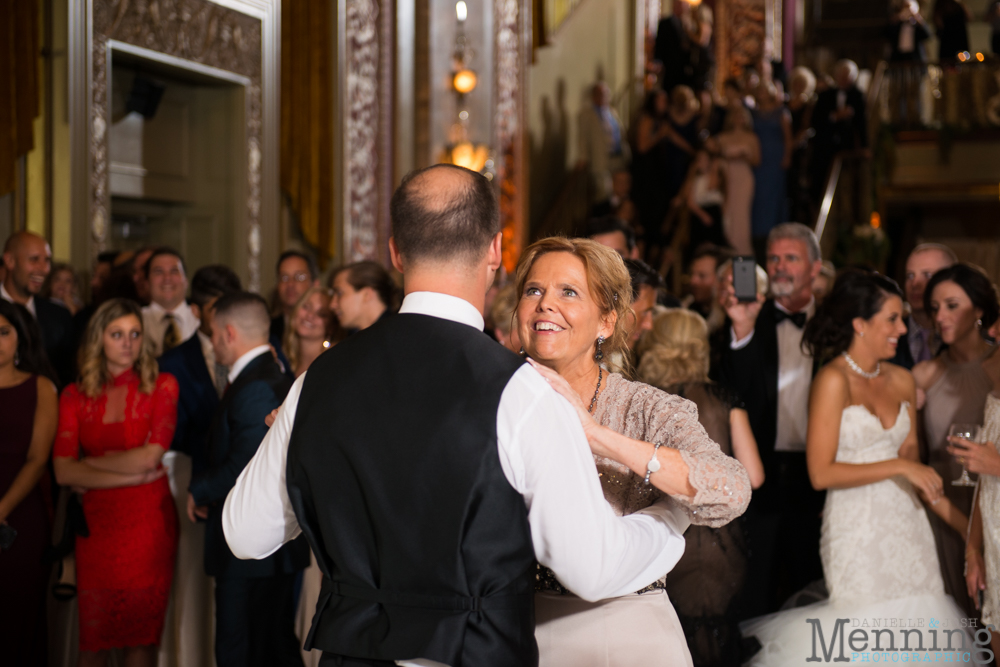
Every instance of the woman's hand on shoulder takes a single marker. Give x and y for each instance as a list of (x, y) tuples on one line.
[(564, 389)]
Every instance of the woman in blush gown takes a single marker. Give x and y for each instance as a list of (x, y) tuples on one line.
[(575, 310), (740, 148), (879, 558)]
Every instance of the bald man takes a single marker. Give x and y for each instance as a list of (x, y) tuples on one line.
[(27, 260)]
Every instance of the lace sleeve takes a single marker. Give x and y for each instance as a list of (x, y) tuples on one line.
[(722, 488), (163, 419)]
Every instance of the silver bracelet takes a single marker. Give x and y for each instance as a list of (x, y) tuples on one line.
[(653, 465)]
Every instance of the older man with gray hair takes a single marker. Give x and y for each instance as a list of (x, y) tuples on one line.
[(767, 368)]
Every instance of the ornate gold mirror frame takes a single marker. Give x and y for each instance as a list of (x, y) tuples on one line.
[(233, 40)]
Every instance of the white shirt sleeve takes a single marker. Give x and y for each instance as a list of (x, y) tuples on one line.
[(258, 516), (545, 457), (575, 533), (742, 342)]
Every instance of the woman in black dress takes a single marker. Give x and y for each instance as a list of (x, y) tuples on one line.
[(705, 584), (28, 415)]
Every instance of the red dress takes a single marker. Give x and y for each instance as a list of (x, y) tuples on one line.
[(125, 568)]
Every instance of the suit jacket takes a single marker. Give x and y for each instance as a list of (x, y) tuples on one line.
[(56, 324), (595, 148), (673, 49), (832, 137), (235, 434), (197, 403), (904, 356)]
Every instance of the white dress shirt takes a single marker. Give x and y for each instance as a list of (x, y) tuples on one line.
[(5, 295), (794, 381), (154, 323), (545, 457)]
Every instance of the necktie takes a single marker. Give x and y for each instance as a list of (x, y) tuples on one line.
[(171, 332), (798, 319)]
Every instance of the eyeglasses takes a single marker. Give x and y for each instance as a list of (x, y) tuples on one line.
[(298, 277)]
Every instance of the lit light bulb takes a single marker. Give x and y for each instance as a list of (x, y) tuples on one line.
[(461, 10), (980, 57), (464, 81)]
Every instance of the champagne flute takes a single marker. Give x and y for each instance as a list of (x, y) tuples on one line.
[(967, 432)]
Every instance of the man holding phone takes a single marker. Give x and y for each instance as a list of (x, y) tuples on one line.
[(767, 368)]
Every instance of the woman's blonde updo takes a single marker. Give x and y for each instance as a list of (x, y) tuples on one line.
[(94, 374), (676, 349), (607, 279)]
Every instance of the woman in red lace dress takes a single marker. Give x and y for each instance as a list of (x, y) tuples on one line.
[(115, 424)]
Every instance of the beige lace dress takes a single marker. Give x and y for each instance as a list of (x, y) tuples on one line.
[(641, 628), (989, 506)]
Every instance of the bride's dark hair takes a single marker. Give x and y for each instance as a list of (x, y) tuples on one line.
[(855, 293)]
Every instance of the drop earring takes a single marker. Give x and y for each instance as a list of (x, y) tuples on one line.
[(17, 358), (979, 323), (599, 354)]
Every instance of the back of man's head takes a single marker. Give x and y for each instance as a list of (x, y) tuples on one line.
[(444, 214), (213, 281), (247, 313)]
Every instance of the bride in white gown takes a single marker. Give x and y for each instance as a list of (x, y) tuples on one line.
[(878, 552)]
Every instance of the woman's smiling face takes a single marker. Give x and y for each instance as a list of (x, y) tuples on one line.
[(558, 317)]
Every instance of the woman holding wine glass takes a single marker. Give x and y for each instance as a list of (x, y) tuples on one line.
[(963, 303), (982, 549)]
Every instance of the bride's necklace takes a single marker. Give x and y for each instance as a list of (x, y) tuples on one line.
[(860, 371), (593, 401)]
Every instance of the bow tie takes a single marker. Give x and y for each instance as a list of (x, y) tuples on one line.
[(798, 319)]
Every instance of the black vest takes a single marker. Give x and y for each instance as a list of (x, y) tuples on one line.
[(395, 478)]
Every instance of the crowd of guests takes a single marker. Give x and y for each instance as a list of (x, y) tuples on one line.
[(147, 409), (721, 165)]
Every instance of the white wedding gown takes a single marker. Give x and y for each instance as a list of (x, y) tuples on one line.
[(879, 561)]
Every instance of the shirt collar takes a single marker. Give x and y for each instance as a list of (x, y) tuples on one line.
[(445, 306), (177, 312), (5, 295), (809, 310), (245, 359)]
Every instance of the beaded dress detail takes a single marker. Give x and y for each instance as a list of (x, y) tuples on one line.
[(646, 413)]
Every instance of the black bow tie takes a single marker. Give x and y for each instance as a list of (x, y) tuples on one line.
[(798, 319)]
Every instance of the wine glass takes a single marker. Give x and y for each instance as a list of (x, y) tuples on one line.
[(967, 432)]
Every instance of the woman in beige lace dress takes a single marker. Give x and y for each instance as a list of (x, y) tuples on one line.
[(649, 447), (982, 551)]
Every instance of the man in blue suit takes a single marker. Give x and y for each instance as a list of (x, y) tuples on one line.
[(200, 377), (201, 380), (254, 598)]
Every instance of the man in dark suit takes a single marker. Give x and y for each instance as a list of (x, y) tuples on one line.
[(920, 342), (767, 368), (840, 121), (200, 376), (673, 48), (254, 598), (28, 260)]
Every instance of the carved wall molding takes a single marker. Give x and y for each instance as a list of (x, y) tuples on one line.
[(367, 99), (231, 36), (512, 25), (739, 36)]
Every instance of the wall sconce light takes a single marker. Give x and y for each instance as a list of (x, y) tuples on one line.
[(464, 81)]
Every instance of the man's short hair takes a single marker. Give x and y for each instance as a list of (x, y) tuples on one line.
[(460, 228), (940, 247), (247, 312), (718, 253), (214, 280), (159, 252), (642, 274), (305, 257), (107, 257), (608, 224), (798, 232)]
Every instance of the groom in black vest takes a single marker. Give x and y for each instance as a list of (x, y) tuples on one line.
[(429, 467)]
